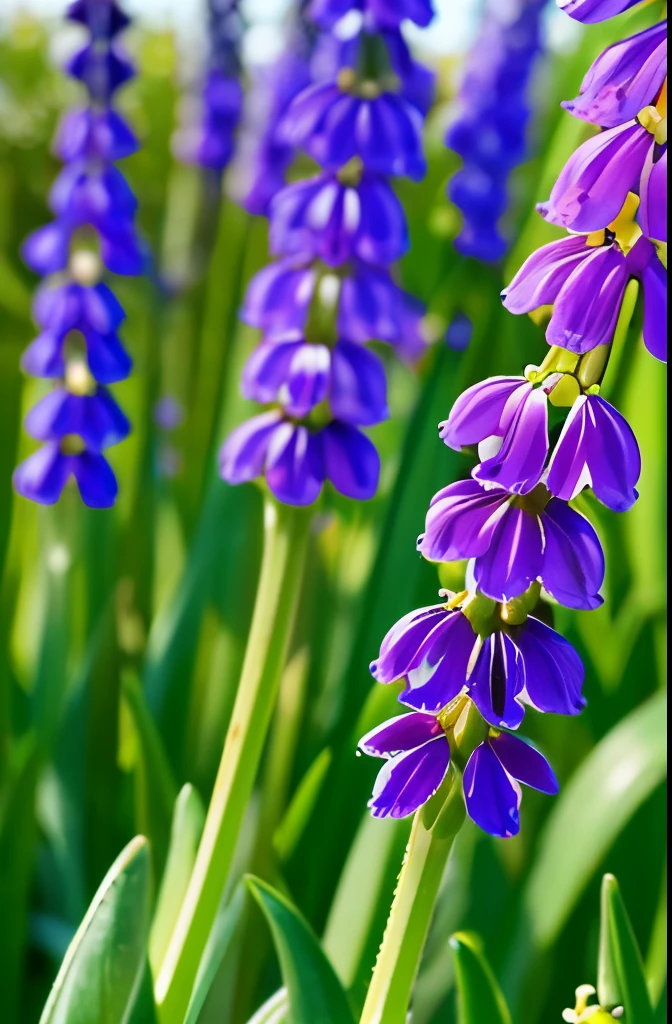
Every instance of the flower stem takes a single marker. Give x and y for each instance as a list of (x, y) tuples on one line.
[(286, 533), (430, 843)]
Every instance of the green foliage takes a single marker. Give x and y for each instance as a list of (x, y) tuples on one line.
[(478, 994), (620, 980)]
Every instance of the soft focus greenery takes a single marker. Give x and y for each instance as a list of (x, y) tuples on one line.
[(122, 635)]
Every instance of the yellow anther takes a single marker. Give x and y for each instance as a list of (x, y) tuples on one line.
[(78, 379), (596, 238), (565, 392), (582, 1012), (661, 105), (625, 227), (72, 444), (660, 134), (346, 79), (649, 118)]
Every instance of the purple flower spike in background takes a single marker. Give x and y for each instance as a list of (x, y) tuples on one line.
[(491, 132), (384, 13), (331, 291), (78, 314), (206, 136)]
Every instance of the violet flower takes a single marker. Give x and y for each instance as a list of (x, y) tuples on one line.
[(417, 755), (490, 133), (440, 655), (515, 542), (592, 11), (78, 314)]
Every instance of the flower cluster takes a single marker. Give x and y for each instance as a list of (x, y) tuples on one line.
[(206, 136), (76, 311), (490, 132), (336, 235), (472, 664)]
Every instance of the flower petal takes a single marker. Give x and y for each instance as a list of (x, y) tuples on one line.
[(573, 558), (491, 796), (406, 782), (553, 670), (524, 763), (404, 732)]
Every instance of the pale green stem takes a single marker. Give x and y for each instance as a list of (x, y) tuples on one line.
[(429, 846), (286, 533)]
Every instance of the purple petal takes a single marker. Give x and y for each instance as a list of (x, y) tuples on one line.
[(654, 281), (438, 672), (497, 679), (653, 191), (524, 763), (278, 297), (592, 11), (42, 476), (588, 304), (543, 274), (406, 782), (358, 393), (243, 455), (478, 411), (573, 558), (491, 796), (404, 732), (369, 305), (267, 368), (44, 357), (553, 670), (520, 460), (461, 521), (386, 13), (514, 558), (624, 79), (308, 379), (47, 250), (594, 183), (597, 448), (399, 648), (95, 479), (351, 461), (294, 467)]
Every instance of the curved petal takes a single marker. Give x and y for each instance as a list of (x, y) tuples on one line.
[(597, 448), (491, 795), (594, 183), (478, 411), (406, 782), (592, 11), (543, 274), (43, 475), (588, 304), (519, 462), (307, 380), (654, 281), (294, 465), (398, 651), (514, 558), (351, 461), (653, 192), (573, 558), (404, 732), (461, 521), (525, 764), (438, 672), (95, 479), (553, 670), (358, 391), (278, 297), (242, 457), (497, 680)]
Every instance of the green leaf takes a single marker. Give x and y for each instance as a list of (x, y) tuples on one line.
[(100, 977), (620, 980), (187, 826), (155, 787), (221, 936), (298, 813), (479, 996), (605, 791), (274, 1011), (315, 993)]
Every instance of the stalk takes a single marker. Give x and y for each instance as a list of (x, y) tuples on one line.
[(429, 846), (286, 533)]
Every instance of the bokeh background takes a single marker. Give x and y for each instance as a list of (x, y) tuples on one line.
[(122, 632)]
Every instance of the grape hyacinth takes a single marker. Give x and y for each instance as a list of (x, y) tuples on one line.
[(490, 132), (207, 135), (331, 289), (77, 313), (473, 664)]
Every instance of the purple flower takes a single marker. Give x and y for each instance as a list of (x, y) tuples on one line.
[(509, 415), (625, 78), (208, 139), (103, 19), (643, 262), (103, 71), (95, 418), (592, 11), (594, 183), (89, 134), (584, 283), (301, 375), (385, 13), (653, 192), (515, 542), (330, 218), (43, 476), (596, 449), (439, 656), (296, 462), (334, 126), (417, 756)]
